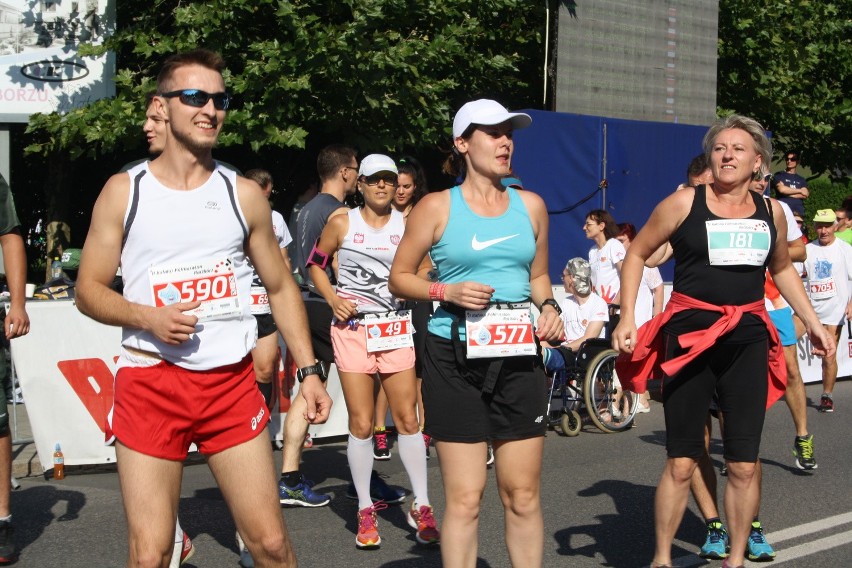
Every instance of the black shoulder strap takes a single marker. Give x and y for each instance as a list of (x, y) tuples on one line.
[(766, 203), (134, 205), (233, 196)]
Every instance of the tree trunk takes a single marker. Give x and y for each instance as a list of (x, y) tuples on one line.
[(57, 229)]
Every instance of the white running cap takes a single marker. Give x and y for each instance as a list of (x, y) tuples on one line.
[(375, 163), (487, 113)]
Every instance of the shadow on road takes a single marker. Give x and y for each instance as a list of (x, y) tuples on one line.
[(624, 539), (39, 503)]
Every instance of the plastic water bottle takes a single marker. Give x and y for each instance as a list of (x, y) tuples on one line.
[(58, 463), (56, 268)]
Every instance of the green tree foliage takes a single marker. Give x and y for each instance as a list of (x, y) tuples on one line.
[(825, 194), (375, 73), (788, 63), (382, 75)]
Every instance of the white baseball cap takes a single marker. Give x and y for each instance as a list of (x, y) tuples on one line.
[(487, 113), (375, 163)]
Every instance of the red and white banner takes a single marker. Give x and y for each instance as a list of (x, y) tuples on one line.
[(66, 368)]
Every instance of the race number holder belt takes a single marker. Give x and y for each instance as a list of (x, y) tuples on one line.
[(495, 364), (385, 331)]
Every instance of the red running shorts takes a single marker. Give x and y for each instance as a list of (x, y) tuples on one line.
[(160, 410)]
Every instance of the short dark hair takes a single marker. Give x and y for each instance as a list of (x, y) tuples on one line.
[(203, 57), (332, 158), (260, 176), (696, 166), (602, 216), (794, 152), (627, 230)]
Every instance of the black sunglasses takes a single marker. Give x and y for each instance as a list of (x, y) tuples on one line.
[(389, 179), (197, 99)]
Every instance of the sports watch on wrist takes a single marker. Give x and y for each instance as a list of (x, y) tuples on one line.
[(551, 302), (317, 368)]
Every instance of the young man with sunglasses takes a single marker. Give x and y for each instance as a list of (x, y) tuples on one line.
[(182, 229), (790, 187)]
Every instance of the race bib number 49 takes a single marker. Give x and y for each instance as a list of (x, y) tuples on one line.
[(212, 282), (737, 242), (499, 332), (388, 331)]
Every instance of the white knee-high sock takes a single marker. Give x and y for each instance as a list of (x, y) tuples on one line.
[(360, 455), (412, 452)]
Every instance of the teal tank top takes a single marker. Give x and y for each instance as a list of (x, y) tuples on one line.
[(497, 251)]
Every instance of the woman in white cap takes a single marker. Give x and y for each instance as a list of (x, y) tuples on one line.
[(482, 378), (370, 336), (715, 336)]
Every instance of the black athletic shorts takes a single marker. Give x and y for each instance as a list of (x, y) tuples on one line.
[(265, 325), (420, 315), (737, 374), (458, 411), (319, 321)]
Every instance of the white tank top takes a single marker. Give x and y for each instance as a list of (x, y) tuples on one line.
[(364, 262), (167, 234)]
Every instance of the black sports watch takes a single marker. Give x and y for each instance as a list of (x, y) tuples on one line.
[(551, 302), (317, 368)]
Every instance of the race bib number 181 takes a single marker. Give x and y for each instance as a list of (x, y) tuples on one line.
[(212, 282), (737, 242), (499, 332)]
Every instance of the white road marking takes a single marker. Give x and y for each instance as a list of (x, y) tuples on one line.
[(794, 552), (812, 547)]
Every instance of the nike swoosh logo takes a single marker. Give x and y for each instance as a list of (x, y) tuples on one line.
[(480, 245)]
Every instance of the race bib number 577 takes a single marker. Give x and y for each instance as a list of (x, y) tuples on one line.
[(499, 332), (212, 282)]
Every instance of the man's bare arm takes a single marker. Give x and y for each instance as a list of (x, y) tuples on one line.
[(17, 321), (285, 299), (99, 262)]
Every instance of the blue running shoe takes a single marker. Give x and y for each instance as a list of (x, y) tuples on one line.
[(716, 545), (302, 495), (379, 491), (758, 549)]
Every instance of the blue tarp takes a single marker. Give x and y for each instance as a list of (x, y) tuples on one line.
[(560, 157)]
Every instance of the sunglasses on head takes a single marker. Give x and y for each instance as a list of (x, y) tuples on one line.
[(197, 99)]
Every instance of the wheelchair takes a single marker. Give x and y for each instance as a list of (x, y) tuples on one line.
[(590, 383)]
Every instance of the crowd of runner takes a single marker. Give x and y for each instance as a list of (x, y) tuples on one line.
[(436, 306)]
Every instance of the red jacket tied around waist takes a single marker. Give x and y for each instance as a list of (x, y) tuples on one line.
[(646, 360)]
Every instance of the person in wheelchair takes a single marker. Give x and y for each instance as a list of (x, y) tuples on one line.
[(584, 315)]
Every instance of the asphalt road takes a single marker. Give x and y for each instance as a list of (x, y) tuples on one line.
[(597, 490)]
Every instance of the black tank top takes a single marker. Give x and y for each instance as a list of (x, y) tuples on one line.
[(728, 284)]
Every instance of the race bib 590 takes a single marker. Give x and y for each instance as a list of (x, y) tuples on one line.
[(212, 282)]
